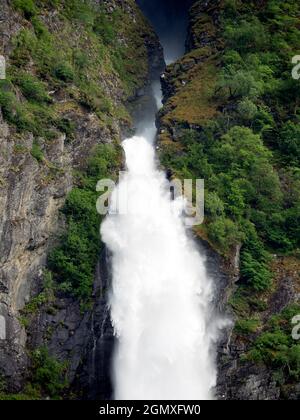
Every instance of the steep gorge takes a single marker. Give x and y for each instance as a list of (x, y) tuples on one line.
[(202, 126), (44, 156), (37, 174)]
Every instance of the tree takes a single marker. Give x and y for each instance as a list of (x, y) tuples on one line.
[(246, 35), (289, 142), (214, 206), (246, 109), (225, 233)]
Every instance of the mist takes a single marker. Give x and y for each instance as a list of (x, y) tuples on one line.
[(170, 21), (161, 299)]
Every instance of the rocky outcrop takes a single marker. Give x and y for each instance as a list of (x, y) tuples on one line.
[(240, 379), (186, 85), (32, 192), (84, 339), (30, 202), (192, 76), (203, 23)]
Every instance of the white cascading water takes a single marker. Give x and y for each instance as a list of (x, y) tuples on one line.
[(161, 295)]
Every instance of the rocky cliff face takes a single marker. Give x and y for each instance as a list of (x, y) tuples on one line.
[(33, 186), (50, 123), (190, 105)]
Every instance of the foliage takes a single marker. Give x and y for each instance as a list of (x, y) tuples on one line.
[(289, 142), (63, 71), (276, 347), (254, 260), (27, 7), (105, 28), (46, 296), (248, 35), (246, 326), (214, 206), (48, 374), (66, 126), (247, 109), (36, 152), (32, 88), (12, 110), (46, 378), (241, 154), (76, 64), (73, 261), (224, 233)]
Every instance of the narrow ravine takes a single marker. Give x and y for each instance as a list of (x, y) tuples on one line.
[(161, 297)]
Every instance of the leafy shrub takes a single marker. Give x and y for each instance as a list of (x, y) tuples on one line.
[(79, 10), (289, 142), (73, 261), (224, 233), (276, 347), (247, 326), (32, 88), (104, 28), (247, 109), (105, 161), (39, 28), (47, 378), (92, 97), (63, 71), (273, 348), (67, 126), (254, 264), (7, 103), (46, 295), (37, 153), (24, 44), (230, 8), (81, 60), (214, 206), (27, 7), (255, 272), (14, 112), (48, 374), (240, 83), (247, 35)]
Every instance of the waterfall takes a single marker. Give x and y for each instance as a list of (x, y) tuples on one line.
[(161, 295)]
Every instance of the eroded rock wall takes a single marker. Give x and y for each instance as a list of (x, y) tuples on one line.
[(33, 191)]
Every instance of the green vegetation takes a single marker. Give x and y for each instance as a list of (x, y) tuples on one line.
[(248, 154), (47, 373), (276, 347), (246, 326), (241, 185), (45, 296), (46, 378), (32, 88), (73, 261), (97, 50), (27, 7), (44, 63), (37, 153), (236, 121)]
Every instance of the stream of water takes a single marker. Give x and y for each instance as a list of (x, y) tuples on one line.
[(161, 297)]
